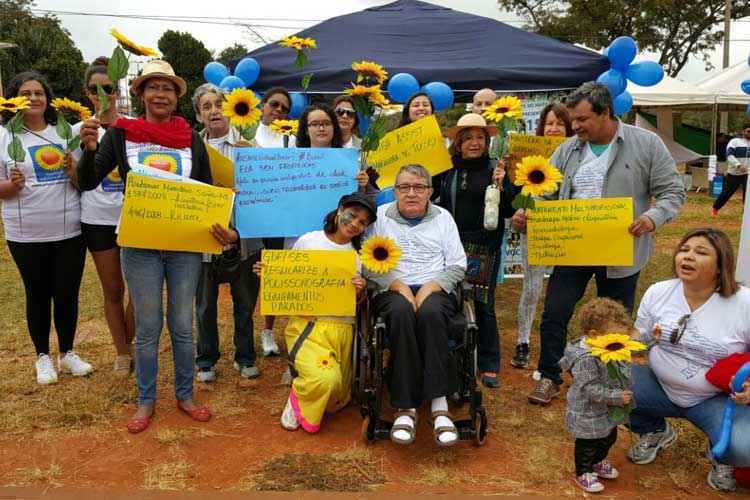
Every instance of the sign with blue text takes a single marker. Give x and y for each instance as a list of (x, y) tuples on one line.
[(288, 191)]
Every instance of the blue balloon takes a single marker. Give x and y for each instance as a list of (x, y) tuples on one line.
[(646, 73), (299, 103), (745, 86), (401, 86), (614, 80), (605, 51), (385, 196), (232, 82), (440, 94), (725, 432), (621, 52), (248, 70), (622, 103), (214, 72)]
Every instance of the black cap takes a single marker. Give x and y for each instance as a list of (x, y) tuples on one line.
[(362, 200)]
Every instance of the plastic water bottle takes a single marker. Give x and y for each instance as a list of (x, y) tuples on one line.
[(491, 207)]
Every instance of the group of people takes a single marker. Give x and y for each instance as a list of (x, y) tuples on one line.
[(57, 203)]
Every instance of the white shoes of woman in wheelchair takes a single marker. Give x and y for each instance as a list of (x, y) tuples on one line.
[(404, 430)]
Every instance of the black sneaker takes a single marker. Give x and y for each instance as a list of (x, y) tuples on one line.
[(521, 359)]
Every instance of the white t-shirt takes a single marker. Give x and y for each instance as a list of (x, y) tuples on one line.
[(48, 208), (588, 182), (267, 138), (101, 205), (715, 330), (176, 161)]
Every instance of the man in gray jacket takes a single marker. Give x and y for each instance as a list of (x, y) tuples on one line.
[(606, 159)]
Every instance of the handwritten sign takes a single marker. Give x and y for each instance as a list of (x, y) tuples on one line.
[(308, 283), (288, 191), (222, 168), (523, 145), (419, 143), (581, 233), (160, 214)]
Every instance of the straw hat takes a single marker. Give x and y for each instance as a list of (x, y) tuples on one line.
[(159, 68), (470, 120)]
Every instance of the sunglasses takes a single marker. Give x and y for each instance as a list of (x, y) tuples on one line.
[(277, 105), (676, 335), (108, 89), (342, 112)]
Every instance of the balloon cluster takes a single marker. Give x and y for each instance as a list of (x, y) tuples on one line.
[(745, 85), (621, 53), (402, 86), (245, 75)]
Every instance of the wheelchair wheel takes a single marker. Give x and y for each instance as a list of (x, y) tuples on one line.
[(368, 430), (480, 426)]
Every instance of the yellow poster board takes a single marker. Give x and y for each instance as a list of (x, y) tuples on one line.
[(308, 283), (523, 145), (420, 142), (581, 233), (160, 214), (222, 168)]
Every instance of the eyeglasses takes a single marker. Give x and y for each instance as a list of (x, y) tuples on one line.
[(319, 125), (277, 105), (108, 89), (676, 335), (342, 112), (160, 88), (418, 188), (30, 94)]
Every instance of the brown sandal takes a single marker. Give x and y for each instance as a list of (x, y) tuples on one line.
[(411, 429), (438, 431)]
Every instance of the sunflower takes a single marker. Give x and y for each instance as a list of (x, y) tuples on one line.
[(614, 347), (285, 127), (298, 43), (507, 106), (378, 99), (363, 91), (537, 176), (380, 254), (325, 362), (131, 46), (14, 104), (65, 104), (241, 107), (369, 70)]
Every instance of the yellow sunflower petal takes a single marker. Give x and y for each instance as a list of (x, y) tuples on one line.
[(71, 106), (132, 47), (285, 127), (380, 254), (613, 347), (241, 107), (504, 107), (537, 176), (14, 104), (298, 43), (368, 70)]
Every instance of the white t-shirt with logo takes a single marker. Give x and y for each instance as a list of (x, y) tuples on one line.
[(102, 205), (718, 328), (175, 161), (48, 208), (588, 182)]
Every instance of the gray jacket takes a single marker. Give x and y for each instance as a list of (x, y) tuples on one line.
[(591, 393), (641, 168)]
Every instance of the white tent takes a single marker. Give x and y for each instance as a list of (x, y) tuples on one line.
[(680, 153), (669, 92), (725, 85)]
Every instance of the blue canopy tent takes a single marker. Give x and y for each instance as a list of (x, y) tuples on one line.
[(433, 43)]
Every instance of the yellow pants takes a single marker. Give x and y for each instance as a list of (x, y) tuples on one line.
[(323, 366)]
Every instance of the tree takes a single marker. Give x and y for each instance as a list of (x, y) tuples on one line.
[(188, 56), (675, 29), (42, 44), (229, 54)]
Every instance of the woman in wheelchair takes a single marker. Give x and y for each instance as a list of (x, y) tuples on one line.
[(415, 301), (320, 348)]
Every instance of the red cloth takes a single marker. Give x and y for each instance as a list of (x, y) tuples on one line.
[(176, 133), (742, 475), (723, 370)]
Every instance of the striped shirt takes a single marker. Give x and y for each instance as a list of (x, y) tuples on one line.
[(738, 156)]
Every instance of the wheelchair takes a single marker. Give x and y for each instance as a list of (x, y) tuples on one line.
[(370, 372)]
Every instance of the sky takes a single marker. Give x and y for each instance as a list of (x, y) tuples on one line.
[(274, 20)]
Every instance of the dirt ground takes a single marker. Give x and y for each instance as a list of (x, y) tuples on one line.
[(72, 434)]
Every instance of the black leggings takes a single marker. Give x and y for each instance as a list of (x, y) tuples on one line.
[(731, 184), (589, 452), (51, 273)]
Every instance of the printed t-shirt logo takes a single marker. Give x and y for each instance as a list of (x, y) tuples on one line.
[(113, 182), (168, 161), (47, 160)]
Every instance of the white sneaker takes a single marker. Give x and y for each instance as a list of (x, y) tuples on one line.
[(268, 343), (206, 375), (45, 370), (288, 418), (286, 377), (71, 363)]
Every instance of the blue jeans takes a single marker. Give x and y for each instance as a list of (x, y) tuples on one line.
[(652, 405), (244, 295), (145, 272)]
